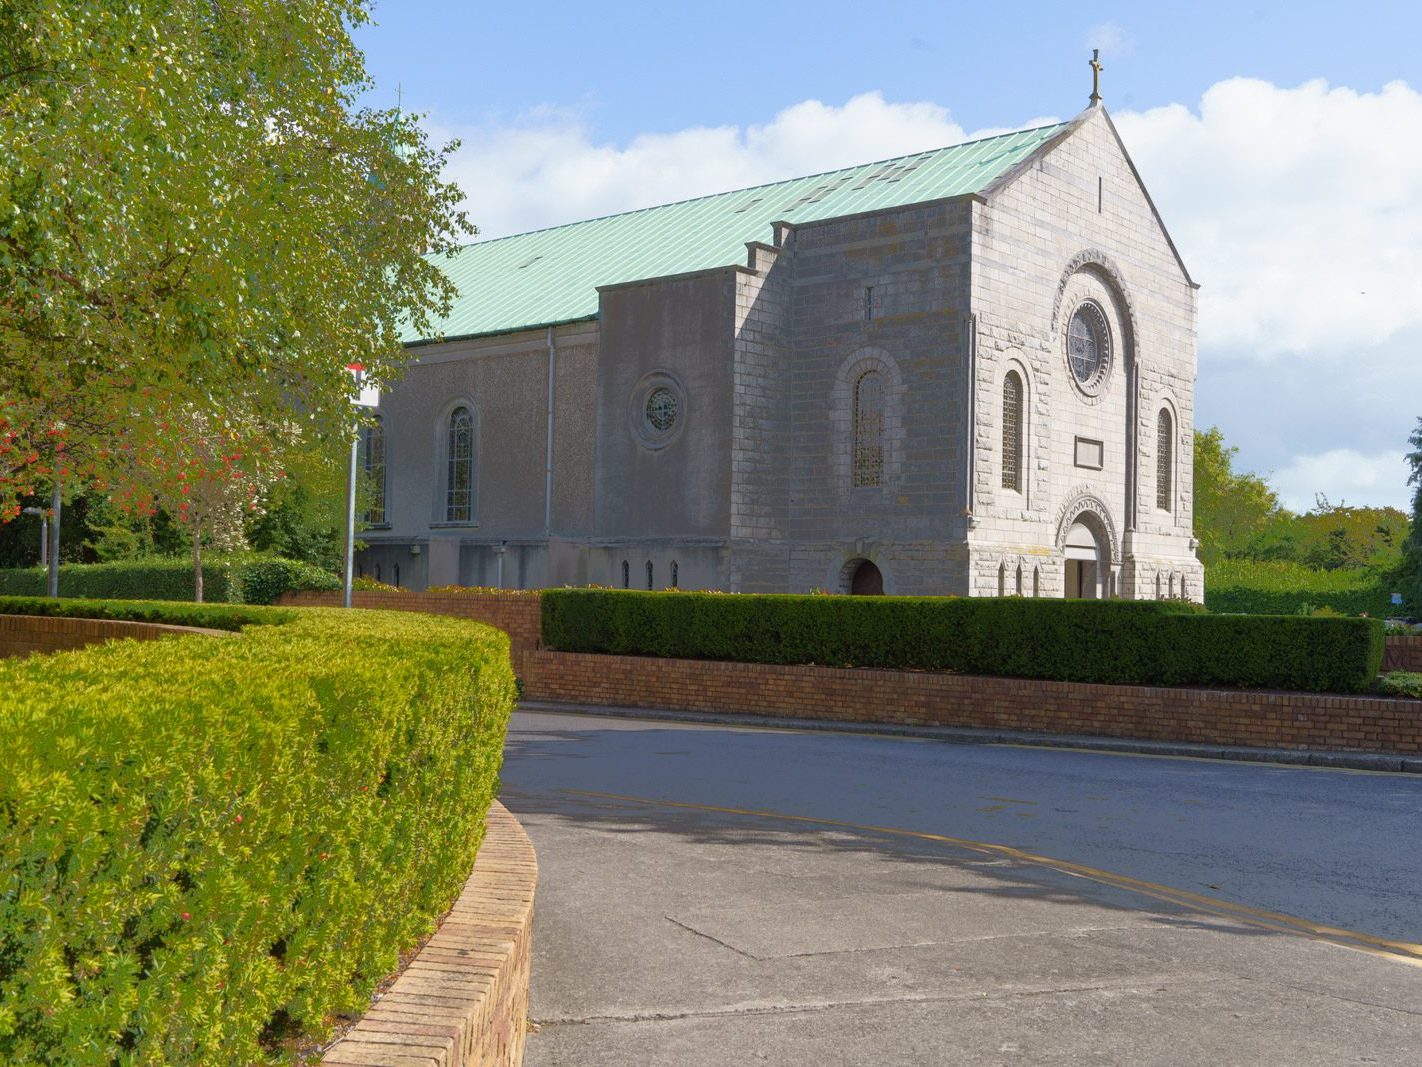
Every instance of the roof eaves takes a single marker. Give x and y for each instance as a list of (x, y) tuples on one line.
[(445, 339)]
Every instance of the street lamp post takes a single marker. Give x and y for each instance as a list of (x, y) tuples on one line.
[(365, 397), (44, 535)]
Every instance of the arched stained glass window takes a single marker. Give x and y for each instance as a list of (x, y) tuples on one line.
[(869, 430), (1164, 460), (626, 575), (373, 463), (650, 573), (1012, 432), (674, 575), (459, 494)]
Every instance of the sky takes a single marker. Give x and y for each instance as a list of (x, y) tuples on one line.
[(1282, 143)]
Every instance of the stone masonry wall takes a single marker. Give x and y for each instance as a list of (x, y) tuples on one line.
[(1078, 224)]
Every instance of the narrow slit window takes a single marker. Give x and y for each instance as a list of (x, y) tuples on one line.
[(1012, 432), (869, 430), (674, 575), (649, 574), (626, 575), (373, 463), (459, 496), (1164, 460)]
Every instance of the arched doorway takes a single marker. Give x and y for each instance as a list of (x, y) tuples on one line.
[(865, 579), (1083, 563)]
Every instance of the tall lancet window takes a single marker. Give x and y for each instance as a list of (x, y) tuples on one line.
[(459, 494), (373, 462), (1164, 460), (869, 430), (1012, 432)]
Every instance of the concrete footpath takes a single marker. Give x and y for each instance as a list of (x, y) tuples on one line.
[(719, 895)]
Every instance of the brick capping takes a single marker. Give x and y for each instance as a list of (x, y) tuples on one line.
[(1242, 717), (23, 635), (463, 1000)]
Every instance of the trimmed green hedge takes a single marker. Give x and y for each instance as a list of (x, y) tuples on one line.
[(1283, 587), (208, 845), (146, 579), (247, 579), (1118, 641), (208, 616), (261, 580)]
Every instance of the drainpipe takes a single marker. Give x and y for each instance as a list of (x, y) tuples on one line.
[(548, 457), (971, 450)]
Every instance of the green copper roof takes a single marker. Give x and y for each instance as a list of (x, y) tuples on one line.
[(548, 276)]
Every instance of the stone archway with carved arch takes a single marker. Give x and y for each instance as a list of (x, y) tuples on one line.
[(1090, 510)]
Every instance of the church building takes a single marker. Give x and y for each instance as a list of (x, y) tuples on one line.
[(968, 371)]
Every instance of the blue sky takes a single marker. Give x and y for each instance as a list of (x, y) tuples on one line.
[(1283, 143)]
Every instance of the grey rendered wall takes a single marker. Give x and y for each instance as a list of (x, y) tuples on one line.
[(681, 327)]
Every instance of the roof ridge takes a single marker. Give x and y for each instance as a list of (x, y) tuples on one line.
[(764, 185)]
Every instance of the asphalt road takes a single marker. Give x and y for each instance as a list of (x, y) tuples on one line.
[(717, 894)]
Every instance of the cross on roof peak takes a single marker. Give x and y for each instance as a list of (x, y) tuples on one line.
[(1096, 69)]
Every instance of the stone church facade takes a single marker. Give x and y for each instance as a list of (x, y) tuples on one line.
[(969, 372)]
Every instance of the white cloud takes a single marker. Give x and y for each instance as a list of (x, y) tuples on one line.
[(1298, 210), (1345, 476), (548, 169), (1111, 39)]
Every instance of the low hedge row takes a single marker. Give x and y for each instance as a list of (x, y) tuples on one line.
[(1120, 642), (1283, 587), (174, 613), (249, 579), (208, 848)]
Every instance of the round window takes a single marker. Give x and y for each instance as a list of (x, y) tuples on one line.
[(1089, 346), (656, 410), (662, 407)]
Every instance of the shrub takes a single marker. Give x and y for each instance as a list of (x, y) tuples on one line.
[(207, 840), (370, 585), (1146, 642), (263, 579), (208, 616), (1282, 587), (247, 579), (1401, 684), (149, 579)]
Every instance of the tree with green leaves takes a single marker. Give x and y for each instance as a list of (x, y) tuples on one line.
[(197, 214), (1232, 508), (1411, 573)]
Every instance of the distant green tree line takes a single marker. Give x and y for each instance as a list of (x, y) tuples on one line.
[(1261, 557)]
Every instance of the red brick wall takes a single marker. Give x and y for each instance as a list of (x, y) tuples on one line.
[(1403, 654), (516, 613), (1207, 716), (21, 635)]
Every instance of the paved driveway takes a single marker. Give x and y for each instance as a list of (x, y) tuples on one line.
[(723, 895)]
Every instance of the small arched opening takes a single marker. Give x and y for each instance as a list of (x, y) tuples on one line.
[(865, 579), (1083, 563)]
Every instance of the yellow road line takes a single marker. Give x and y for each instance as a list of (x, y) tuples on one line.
[(1403, 951)]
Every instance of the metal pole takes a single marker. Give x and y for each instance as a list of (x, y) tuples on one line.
[(350, 518), (55, 505)]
